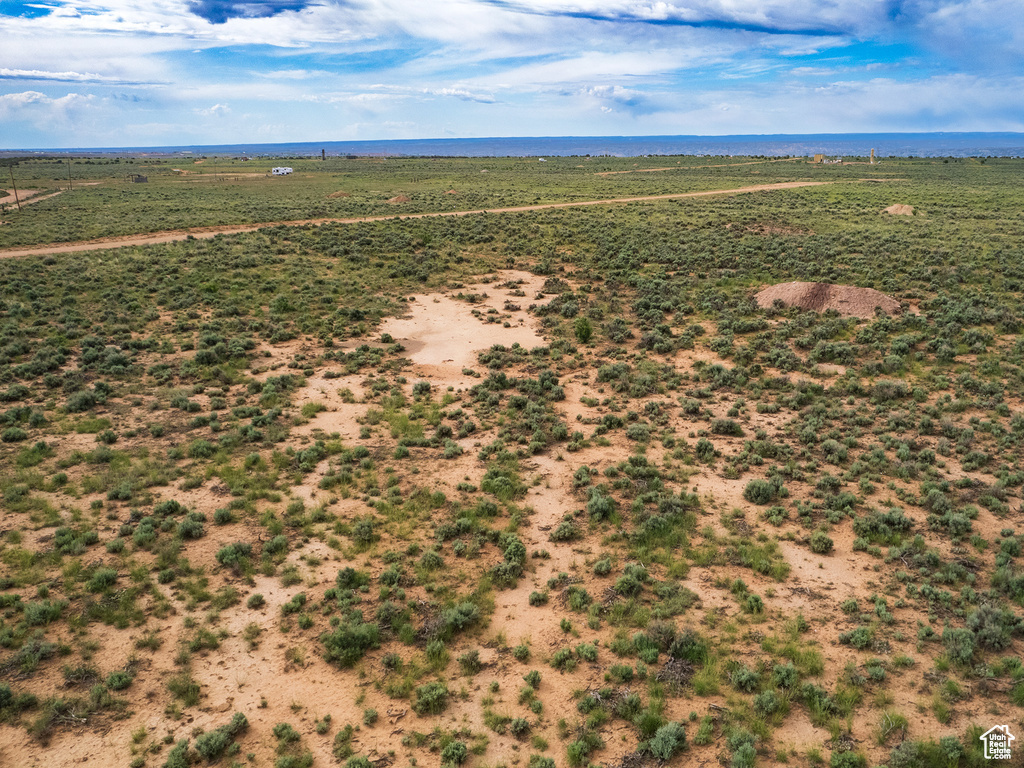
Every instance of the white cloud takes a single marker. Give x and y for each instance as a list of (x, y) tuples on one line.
[(484, 67), (217, 110), (463, 94), (42, 111), (64, 77)]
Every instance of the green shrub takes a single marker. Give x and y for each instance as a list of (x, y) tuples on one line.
[(821, 543), (431, 699), (959, 644), (454, 753), (119, 680), (583, 329), (760, 492), (350, 641), (847, 760), (668, 739)]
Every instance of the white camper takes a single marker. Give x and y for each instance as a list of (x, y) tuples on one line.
[(280, 171)]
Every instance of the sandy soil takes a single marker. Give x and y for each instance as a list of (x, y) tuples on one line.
[(208, 232), (900, 210), (442, 334)]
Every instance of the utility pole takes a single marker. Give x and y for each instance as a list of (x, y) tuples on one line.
[(11, 169), (69, 175)]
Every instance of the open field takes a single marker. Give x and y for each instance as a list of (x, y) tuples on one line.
[(543, 487)]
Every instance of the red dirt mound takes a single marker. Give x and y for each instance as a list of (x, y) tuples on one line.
[(845, 299), (400, 199), (340, 194)]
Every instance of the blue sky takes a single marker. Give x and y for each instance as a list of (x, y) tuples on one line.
[(81, 73)]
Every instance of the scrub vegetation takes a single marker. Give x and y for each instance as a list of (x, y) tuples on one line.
[(243, 523)]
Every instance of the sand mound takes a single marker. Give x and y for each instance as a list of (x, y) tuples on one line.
[(900, 210), (400, 199), (451, 192), (340, 194), (845, 299)]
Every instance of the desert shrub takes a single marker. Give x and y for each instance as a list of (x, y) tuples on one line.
[(583, 329), (704, 450), (211, 745), (13, 435), (785, 675), (760, 492), (726, 427), (470, 662), (600, 507), (860, 638), (744, 678), (959, 643), (766, 703), (993, 627), (102, 579), (232, 554), (431, 699), (350, 641), (223, 516), (691, 646), (821, 543), (119, 680), (567, 530), (192, 526), (667, 740), (454, 753), (349, 578), (847, 760)]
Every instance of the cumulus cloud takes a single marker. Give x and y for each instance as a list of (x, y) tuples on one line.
[(614, 98), (485, 67), (42, 111)]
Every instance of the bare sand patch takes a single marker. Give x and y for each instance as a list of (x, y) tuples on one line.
[(847, 300), (339, 193), (442, 335), (400, 199), (900, 210)]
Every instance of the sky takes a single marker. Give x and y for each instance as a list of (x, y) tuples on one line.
[(101, 73)]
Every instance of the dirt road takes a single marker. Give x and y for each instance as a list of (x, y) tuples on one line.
[(208, 232), (699, 167)]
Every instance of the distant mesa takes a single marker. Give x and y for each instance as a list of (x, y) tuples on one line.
[(847, 300), (400, 199), (900, 210)]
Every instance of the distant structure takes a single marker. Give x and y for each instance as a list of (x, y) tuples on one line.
[(872, 157), (281, 171), (827, 161), (819, 158), (323, 154), (137, 178)]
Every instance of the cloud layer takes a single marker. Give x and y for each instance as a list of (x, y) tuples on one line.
[(226, 71)]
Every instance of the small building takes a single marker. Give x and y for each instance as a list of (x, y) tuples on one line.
[(137, 178), (281, 171)]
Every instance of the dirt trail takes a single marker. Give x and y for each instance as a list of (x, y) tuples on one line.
[(208, 232), (26, 197), (697, 167)]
